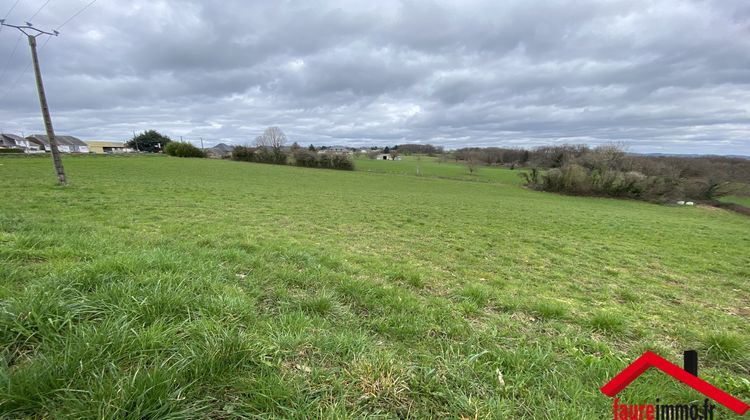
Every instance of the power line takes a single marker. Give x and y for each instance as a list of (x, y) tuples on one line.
[(8, 14), (39, 10), (11, 9), (23, 72), (76, 14), (10, 58)]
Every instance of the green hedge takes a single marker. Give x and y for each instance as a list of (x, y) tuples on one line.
[(182, 149)]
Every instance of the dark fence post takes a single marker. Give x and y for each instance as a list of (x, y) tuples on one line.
[(690, 362)]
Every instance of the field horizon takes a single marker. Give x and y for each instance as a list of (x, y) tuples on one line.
[(164, 287)]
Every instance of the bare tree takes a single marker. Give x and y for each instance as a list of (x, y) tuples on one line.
[(273, 137), (473, 161)]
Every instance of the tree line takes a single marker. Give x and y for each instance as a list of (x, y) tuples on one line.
[(610, 171), (268, 147)]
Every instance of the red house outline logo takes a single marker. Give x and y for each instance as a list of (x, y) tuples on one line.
[(649, 359)]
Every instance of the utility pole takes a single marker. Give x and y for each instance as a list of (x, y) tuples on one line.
[(202, 144), (32, 33)]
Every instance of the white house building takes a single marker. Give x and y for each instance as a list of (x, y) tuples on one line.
[(66, 144), (12, 141)]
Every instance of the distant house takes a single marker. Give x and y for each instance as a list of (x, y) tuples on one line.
[(386, 156), (108, 147), (339, 149), (66, 144), (7, 141), (220, 151), (13, 141)]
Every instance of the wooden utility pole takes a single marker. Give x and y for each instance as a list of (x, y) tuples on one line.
[(32, 33)]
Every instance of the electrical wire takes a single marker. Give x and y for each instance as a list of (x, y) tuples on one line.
[(10, 58), (23, 72), (8, 14), (76, 14), (11, 9), (39, 10)]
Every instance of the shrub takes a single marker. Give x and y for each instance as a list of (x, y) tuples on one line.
[(342, 162), (305, 158), (182, 149), (335, 161), (243, 153), (269, 155), (11, 151), (609, 171)]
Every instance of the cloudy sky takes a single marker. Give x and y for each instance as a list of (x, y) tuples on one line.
[(657, 76)]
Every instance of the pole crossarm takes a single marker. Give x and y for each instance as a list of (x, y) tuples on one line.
[(29, 30)]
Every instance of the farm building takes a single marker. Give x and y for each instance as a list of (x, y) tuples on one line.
[(66, 144), (386, 156), (108, 147), (220, 151), (12, 141)]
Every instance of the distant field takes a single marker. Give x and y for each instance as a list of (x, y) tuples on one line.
[(431, 167), (156, 287), (743, 201)]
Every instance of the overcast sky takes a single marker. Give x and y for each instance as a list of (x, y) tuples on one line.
[(658, 76)]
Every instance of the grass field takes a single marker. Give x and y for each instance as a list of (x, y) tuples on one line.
[(157, 287), (430, 167), (743, 201)]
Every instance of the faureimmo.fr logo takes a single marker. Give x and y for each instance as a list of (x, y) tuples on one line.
[(688, 376)]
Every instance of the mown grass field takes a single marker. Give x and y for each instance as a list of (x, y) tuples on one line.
[(157, 287)]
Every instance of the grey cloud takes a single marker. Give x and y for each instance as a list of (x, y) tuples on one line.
[(659, 76)]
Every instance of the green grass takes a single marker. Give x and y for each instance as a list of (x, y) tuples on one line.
[(157, 287), (743, 201), (426, 166)]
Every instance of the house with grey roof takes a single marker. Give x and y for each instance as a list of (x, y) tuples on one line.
[(220, 151), (66, 144), (12, 141)]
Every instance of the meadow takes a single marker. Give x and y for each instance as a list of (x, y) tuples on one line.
[(158, 287), (427, 166)]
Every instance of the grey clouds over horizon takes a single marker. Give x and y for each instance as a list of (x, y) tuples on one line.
[(657, 76)]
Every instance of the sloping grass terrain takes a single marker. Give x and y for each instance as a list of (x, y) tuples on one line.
[(743, 201), (157, 287), (431, 167)]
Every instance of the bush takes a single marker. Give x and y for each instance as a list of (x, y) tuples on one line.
[(335, 161), (243, 153), (302, 157), (182, 149), (11, 151), (306, 158), (310, 159), (609, 171), (342, 162)]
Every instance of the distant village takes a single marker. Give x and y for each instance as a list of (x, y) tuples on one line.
[(39, 143)]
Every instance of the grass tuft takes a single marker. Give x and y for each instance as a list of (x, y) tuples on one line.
[(607, 321), (724, 345), (550, 309)]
